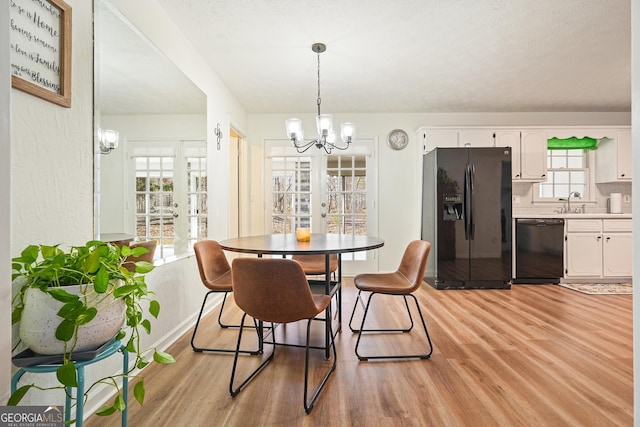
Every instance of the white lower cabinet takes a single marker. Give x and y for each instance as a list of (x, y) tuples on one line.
[(598, 249), (583, 255)]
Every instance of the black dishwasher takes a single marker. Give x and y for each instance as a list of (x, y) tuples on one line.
[(539, 250)]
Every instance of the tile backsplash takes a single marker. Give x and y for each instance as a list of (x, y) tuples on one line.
[(523, 199)]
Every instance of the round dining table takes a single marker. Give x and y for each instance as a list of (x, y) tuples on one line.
[(318, 244)]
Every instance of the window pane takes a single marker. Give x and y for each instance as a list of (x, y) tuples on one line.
[(141, 183), (154, 184), (578, 188), (141, 204), (561, 190), (578, 177), (141, 226), (575, 162), (202, 228), (546, 190), (561, 177), (558, 162)]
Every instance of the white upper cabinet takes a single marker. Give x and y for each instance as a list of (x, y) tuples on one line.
[(511, 139), (528, 153), (613, 158), (475, 138), (438, 138)]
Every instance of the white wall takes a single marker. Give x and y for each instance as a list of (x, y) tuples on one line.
[(400, 172), (5, 194), (52, 174), (51, 166), (635, 138)]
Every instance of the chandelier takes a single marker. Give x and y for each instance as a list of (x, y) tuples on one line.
[(326, 138)]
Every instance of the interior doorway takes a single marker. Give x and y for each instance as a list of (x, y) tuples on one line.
[(235, 171)]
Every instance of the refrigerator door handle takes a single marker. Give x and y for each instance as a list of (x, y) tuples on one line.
[(472, 197), (466, 201)]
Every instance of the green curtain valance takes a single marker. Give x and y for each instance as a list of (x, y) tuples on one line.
[(572, 143)]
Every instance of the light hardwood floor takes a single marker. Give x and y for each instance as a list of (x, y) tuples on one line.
[(535, 355)]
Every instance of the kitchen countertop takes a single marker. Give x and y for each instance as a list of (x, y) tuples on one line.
[(574, 215)]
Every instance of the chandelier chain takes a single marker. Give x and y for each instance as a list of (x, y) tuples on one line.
[(319, 100)]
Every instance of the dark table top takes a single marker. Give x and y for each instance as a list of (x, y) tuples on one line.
[(287, 244)]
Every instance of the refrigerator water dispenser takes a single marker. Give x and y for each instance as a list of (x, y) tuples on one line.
[(452, 204)]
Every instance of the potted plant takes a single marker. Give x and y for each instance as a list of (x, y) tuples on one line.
[(86, 281)]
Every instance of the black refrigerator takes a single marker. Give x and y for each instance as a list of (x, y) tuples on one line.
[(466, 215)]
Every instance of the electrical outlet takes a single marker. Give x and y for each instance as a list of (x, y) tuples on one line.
[(626, 198)]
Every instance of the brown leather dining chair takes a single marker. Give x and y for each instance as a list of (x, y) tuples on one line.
[(403, 282), (276, 291), (215, 274), (316, 264), (149, 245)]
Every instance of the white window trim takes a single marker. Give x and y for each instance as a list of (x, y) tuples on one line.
[(591, 186)]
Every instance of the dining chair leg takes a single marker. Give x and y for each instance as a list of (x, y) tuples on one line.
[(224, 325), (308, 405), (234, 391), (217, 350), (399, 356), (359, 298)]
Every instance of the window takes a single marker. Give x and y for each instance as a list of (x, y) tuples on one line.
[(170, 192), (567, 171)]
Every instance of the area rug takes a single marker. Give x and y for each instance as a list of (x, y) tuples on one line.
[(600, 288)]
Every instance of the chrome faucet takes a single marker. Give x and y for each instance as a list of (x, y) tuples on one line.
[(573, 193)]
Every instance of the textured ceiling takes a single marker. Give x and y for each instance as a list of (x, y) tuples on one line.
[(416, 55)]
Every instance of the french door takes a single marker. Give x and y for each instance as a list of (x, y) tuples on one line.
[(170, 193), (329, 193)]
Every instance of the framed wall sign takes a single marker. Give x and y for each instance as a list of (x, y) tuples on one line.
[(41, 49)]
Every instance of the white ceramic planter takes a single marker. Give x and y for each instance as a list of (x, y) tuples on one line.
[(40, 320)]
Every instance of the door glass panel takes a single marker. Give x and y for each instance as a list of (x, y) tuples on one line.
[(154, 202), (346, 196), (196, 199), (291, 194)]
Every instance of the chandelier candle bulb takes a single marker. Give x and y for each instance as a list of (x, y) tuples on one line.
[(348, 131), (294, 128)]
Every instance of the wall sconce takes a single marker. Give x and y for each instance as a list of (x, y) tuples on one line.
[(108, 140), (218, 134)]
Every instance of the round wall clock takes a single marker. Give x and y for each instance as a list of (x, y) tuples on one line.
[(397, 139)]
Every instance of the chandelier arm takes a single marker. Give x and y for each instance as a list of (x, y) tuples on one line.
[(301, 148), (338, 147)]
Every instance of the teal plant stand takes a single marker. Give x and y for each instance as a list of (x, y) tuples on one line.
[(108, 351)]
